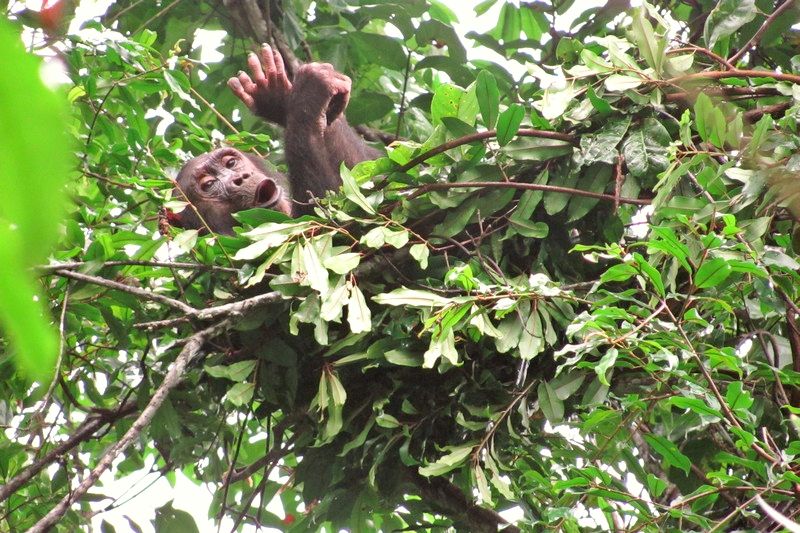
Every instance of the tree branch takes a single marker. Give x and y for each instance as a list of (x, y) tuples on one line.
[(115, 285), (529, 186), (171, 380), (84, 432), (720, 74), (524, 132), (760, 33), (48, 269), (450, 501)]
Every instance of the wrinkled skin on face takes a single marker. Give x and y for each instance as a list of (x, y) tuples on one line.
[(223, 182)]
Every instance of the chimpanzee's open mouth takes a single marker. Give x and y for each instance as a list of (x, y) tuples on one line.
[(267, 193)]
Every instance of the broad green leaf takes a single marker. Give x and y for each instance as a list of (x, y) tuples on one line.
[(669, 452), (711, 273), (446, 463), (411, 297), (358, 314), (726, 18), (441, 346), (445, 102), (651, 46), (342, 263), (619, 272), (646, 149), (605, 364), (651, 273), (34, 158), (531, 341), (352, 192), (367, 106), (508, 123), (602, 146), (378, 49), (738, 398), (622, 82), (526, 228), (551, 406), (315, 275), (488, 96), (171, 520), (240, 394), (420, 252), (235, 372), (696, 405)]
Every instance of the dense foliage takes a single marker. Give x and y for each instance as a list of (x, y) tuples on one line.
[(568, 291)]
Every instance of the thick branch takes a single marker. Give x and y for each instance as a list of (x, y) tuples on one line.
[(84, 432), (524, 132), (720, 74), (530, 186), (448, 499), (171, 380)]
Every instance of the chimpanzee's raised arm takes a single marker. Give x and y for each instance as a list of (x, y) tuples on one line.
[(318, 137)]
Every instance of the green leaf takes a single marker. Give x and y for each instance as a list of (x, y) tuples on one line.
[(352, 192), (646, 149), (606, 362), (726, 18), (526, 228), (235, 372), (651, 273), (445, 102), (488, 96), (620, 272), (378, 49), (508, 123), (171, 520), (669, 452), (342, 263), (602, 146), (315, 275), (711, 273), (651, 46), (367, 106), (420, 252), (696, 405), (358, 314), (551, 406), (737, 398), (411, 297), (446, 463), (34, 158), (240, 394)]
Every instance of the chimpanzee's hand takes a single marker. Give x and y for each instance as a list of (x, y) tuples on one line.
[(266, 94), (319, 96)]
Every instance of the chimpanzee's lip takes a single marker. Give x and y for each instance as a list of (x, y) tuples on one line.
[(267, 193)]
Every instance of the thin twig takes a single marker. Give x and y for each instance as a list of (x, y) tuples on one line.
[(115, 285)]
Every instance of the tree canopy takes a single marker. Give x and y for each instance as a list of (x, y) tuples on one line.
[(566, 298)]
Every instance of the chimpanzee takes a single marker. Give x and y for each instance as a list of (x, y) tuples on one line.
[(317, 140)]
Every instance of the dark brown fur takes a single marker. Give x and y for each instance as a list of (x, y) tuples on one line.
[(318, 140)]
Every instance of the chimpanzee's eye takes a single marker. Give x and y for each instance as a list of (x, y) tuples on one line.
[(230, 162), (207, 183)]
